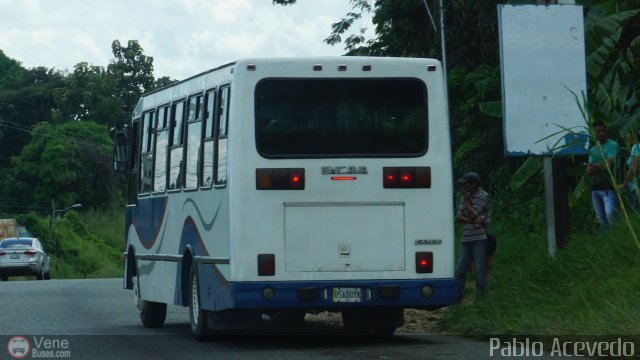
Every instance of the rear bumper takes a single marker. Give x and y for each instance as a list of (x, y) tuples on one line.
[(20, 269), (318, 295)]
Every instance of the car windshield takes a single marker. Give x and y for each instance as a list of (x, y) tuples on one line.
[(7, 243)]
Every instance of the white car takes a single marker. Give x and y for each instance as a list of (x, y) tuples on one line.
[(23, 257)]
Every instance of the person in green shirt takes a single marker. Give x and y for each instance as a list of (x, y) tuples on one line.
[(631, 179), (603, 154)]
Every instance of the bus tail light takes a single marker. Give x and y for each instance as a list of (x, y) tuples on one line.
[(424, 262), (266, 264), (409, 177), (280, 179)]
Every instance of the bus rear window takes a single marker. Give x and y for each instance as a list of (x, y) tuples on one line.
[(306, 118)]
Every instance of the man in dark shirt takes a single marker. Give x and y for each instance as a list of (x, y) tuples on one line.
[(474, 215)]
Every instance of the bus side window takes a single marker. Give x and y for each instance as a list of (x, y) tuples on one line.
[(223, 132), (176, 142), (209, 139), (194, 141), (161, 149), (146, 153)]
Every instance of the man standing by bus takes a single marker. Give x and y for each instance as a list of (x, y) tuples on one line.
[(603, 159), (474, 215)]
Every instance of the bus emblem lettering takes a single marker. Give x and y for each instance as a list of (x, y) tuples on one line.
[(344, 170)]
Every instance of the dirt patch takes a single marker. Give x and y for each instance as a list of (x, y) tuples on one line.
[(415, 321)]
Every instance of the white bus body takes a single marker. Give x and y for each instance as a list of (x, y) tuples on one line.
[(323, 184)]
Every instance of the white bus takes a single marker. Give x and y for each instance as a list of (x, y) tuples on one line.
[(280, 187)]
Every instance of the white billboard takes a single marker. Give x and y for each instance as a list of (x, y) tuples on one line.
[(543, 65)]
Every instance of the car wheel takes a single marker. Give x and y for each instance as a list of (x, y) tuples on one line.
[(152, 314), (47, 275), (199, 318), (40, 275)]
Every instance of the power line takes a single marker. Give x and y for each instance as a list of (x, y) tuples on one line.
[(4, 123)]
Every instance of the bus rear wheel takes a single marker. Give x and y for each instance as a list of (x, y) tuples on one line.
[(152, 314), (199, 318)]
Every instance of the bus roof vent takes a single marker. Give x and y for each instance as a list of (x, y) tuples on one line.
[(431, 68), (251, 67), (366, 67), (342, 67), (317, 67)]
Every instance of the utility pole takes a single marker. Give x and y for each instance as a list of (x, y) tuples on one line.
[(52, 224), (442, 43)]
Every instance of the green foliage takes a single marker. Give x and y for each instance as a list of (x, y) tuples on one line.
[(11, 73), (132, 71), (584, 290), (25, 99), (477, 139), (89, 95), (90, 244), (530, 167), (56, 164)]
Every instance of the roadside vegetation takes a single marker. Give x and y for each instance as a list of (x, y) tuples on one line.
[(589, 288), (90, 244)]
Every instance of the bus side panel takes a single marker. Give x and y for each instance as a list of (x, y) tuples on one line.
[(215, 291), (205, 235)]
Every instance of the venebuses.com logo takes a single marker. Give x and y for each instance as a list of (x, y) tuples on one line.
[(38, 347), (18, 347)]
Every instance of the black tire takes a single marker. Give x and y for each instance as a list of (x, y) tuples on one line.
[(199, 318), (40, 275), (152, 314), (47, 275), (372, 321)]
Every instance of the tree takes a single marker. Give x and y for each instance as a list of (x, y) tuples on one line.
[(70, 162), (107, 96), (25, 99), (132, 71), (89, 94)]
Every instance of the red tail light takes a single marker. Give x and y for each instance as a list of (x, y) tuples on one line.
[(280, 179), (266, 264), (411, 177), (424, 262), (30, 252)]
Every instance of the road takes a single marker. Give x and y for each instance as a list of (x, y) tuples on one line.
[(97, 319)]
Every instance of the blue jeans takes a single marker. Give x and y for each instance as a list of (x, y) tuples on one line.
[(604, 203), (472, 250)]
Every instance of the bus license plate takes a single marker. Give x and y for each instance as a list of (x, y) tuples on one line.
[(347, 295)]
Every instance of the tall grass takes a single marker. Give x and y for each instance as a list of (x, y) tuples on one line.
[(90, 243), (591, 287)]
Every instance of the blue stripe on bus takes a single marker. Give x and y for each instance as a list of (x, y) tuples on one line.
[(190, 238), (249, 294), (146, 217)]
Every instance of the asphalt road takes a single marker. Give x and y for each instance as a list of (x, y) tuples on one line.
[(97, 319)]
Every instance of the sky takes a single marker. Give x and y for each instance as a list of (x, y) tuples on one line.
[(185, 37)]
